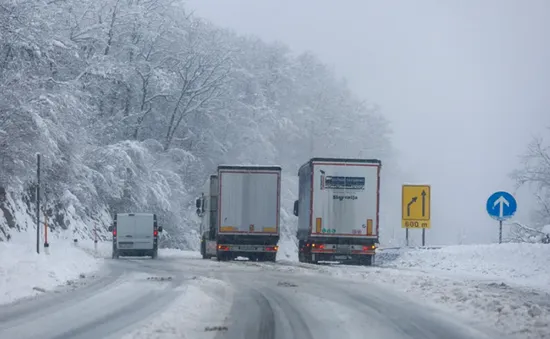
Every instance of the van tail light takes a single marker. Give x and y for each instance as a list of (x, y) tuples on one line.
[(114, 232), (156, 233)]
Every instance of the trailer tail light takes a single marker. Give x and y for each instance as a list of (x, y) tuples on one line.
[(272, 248), (369, 248), (114, 232), (318, 225), (369, 226), (321, 247), (223, 248), (156, 233)]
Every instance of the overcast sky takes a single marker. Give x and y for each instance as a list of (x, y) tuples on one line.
[(465, 85)]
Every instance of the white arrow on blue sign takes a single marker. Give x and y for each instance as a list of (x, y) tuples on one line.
[(501, 205)]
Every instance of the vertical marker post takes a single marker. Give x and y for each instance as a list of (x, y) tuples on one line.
[(95, 238), (38, 203), (46, 244)]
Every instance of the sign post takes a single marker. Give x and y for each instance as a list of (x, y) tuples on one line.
[(501, 206), (416, 209)]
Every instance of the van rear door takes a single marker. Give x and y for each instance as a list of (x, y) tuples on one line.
[(143, 231), (125, 231)]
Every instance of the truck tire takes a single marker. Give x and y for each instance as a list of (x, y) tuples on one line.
[(272, 257), (222, 256), (365, 261)]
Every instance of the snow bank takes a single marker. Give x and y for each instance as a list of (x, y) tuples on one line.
[(24, 273), (515, 264)]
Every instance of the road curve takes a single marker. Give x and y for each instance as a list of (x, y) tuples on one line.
[(266, 302), (274, 304)]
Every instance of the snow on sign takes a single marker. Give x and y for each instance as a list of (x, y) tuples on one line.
[(501, 205)]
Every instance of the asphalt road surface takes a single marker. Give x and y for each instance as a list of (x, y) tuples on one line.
[(265, 303)]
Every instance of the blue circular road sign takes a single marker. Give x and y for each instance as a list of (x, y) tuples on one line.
[(501, 205)]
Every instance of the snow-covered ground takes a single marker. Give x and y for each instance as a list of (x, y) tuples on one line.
[(521, 265), (24, 273), (503, 286), (199, 312)]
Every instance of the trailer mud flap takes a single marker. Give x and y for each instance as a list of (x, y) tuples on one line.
[(211, 247)]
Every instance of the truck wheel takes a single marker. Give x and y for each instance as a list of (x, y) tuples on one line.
[(271, 257), (365, 261), (301, 257), (222, 256)]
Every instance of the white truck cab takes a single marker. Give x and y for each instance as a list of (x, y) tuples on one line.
[(135, 234)]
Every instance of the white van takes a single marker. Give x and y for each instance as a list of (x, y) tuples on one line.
[(135, 234)]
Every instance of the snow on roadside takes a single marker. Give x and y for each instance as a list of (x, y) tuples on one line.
[(503, 286), (195, 314), (25, 273), (515, 264)]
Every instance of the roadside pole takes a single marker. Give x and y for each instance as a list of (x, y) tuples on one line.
[(38, 203), (423, 237), (95, 238), (500, 232), (46, 244)]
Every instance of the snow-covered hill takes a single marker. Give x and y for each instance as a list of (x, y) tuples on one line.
[(136, 122)]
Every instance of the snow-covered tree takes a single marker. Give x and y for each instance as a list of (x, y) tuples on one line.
[(132, 103), (536, 175)]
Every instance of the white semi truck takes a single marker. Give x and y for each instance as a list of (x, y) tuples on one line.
[(240, 211), (338, 210)]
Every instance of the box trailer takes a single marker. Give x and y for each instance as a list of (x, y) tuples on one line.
[(338, 210), (240, 211)]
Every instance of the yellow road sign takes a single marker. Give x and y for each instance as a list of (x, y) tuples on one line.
[(415, 206)]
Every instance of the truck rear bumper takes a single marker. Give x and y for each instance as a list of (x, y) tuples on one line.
[(320, 256), (248, 248)]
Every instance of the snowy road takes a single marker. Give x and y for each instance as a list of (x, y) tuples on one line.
[(207, 299)]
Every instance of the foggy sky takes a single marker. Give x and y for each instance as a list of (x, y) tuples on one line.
[(463, 83)]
